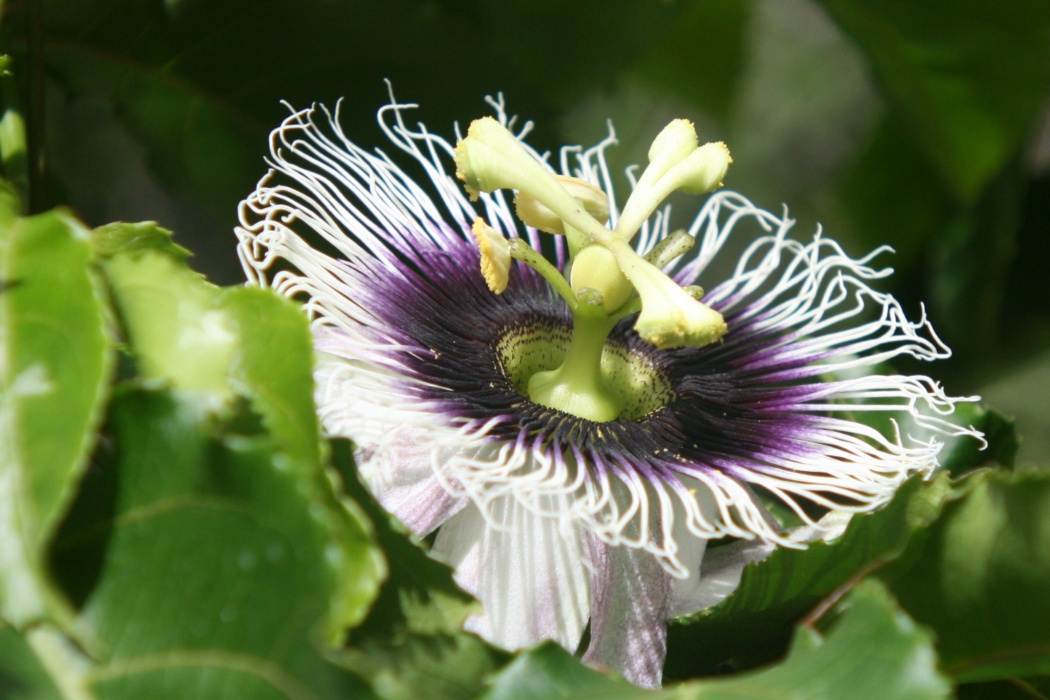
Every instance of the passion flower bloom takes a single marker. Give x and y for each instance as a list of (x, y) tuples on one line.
[(577, 429)]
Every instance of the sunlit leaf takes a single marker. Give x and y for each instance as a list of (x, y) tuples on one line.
[(271, 367), (411, 666), (241, 342), (14, 161), (135, 238), (548, 671), (176, 328), (56, 361)]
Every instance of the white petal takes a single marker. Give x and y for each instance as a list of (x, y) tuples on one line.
[(829, 527), (528, 573), (719, 576), (723, 566)]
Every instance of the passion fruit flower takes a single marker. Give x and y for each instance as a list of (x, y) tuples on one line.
[(577, 440)]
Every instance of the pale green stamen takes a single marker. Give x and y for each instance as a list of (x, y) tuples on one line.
[(520, 250), (675, 245), (700, 171), (609, 279)]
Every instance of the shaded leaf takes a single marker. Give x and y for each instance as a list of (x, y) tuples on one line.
[(966, 112), (972, 259), (980, 578), (962, 454), (1021, 394), (755, 623), (583, 32), (191, 136), (720, 53), (217, 572), (23, 676), (887, 209), (419, 594), (412, 644), (871, 650), (1013, 689)]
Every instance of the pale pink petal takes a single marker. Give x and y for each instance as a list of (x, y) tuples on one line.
[(632, 595), (422, 504)]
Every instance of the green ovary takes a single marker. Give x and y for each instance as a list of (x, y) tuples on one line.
[(577, 371), (577, 386)]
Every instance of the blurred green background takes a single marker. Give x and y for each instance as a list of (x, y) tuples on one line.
[(923, 125)]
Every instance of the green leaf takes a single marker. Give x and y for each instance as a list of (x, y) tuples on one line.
[(979, 578), (720, 53), (1021, 394), (14, 162), (210, 560), (55, 368), (967, 76), (134, 238), (419, 594), (172, 318), (24, 675), (905, 218), (412, 644), (193, 138), (965, 453), (410, 666), (872, 649), (583, 31), (550, 672), (271, 366), (247, 343), (972, 263), (1013, 689), (754, 624)]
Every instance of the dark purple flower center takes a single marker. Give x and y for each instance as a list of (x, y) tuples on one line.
[(689, 408)]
